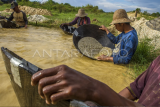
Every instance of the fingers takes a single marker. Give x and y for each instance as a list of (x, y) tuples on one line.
[(102, 27), (50, 90), (44, 73), (99, 58), (44, 82), (59, 97)]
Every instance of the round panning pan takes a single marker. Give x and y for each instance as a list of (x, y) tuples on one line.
[(89, 40), (68, 29), (154, 24)]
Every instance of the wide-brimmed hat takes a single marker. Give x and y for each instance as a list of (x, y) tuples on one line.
[(120, 16), (13, 5), (81, 13)]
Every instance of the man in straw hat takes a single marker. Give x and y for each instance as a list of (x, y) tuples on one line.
[(19, 16), (64, 83), (80, 20), (126, 42)]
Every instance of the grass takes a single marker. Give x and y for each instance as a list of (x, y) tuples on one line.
[(59, 18), (143, 56), (148, 17), (4, 6)]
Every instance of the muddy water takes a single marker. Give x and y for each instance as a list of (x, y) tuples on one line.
[(48, 48)]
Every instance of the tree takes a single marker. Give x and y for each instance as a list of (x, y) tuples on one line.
[(67, 4), (138, 10), (146, 13)]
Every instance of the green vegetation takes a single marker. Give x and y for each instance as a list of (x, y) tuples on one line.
[(61, 8), (59, 18), (138, 10), (143, 56), (4, 6)]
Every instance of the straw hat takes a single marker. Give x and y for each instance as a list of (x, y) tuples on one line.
[(120, 16), (81, 13)]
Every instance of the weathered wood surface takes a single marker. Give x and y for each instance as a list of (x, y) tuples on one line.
[(27, 95)]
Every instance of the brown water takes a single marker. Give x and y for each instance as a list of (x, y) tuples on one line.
[(48, 48)]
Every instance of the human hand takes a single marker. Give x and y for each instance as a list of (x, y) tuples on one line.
[(104, 28), (64, 24), (102, 58), (105, 58), (63, 83)]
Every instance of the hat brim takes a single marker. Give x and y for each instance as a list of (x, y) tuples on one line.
[(12, 7), (125, 20), (83, 15)]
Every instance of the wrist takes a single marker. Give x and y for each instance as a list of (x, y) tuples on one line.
[(109, 59), (107, 31), (98, 94)]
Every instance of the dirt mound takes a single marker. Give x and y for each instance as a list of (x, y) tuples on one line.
[(32, 11), (144, 31), (37, 18)]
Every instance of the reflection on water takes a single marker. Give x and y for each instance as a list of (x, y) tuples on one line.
[(48, 48)]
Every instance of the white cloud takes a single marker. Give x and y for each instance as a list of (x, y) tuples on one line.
[(115, 6)]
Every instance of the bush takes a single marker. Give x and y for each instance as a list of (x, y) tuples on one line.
[(144, 51), (61, 8), (1, 3)]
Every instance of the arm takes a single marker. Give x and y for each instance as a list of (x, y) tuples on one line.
[(74, 21), (110, 35), (126, 54), (25, 18), (134, 91), (11, 17), (88, 20), (71, 23), (127, 94), (63, 83), (105, 58)]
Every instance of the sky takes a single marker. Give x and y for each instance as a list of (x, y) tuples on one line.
[(112, 5)]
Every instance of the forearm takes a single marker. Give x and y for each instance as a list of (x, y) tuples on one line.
[(107, 31), (10, 18), (126, 94), (109, 59), (105, 96)]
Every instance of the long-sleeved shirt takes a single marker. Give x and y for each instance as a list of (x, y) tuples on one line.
[(146, 87), (77, 21), (20, 18), (126, 45)]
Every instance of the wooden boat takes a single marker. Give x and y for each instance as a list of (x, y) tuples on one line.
[(68, 29), (7, 24), (89, 40), (20, 72)]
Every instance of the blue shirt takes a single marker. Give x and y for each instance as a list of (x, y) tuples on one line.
[(126, 45)]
